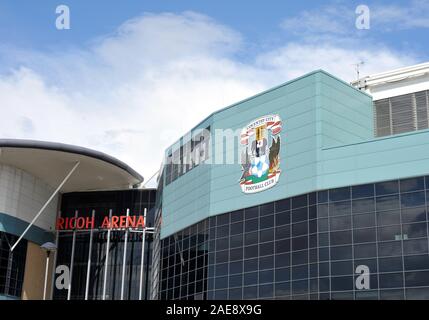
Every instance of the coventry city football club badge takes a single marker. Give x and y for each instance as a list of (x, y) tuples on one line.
[(260, 157)]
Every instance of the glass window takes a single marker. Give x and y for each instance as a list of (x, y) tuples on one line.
[(341, 253), (339, 194), (266, 222), (222, 219), (300, 257), (282, 205), (250, 251), (282, 218), (251, 265), (283, 232), (340, 237), (415, 246), (340, 223), (417, 293), (266, 248), (312, 212), (324, 269), (237, 215), (266, 291), (391, 280), (322, 210), (266, 263), (363, 191), (388, 187), (266, 209), (250, 278), (413, 199), (391, 248), (413, 184), (389, 233), (250, 292), (342, 283), (299, 201), (266, 276), (222, 244), (322, 196), (236, 267), (299, 272), (282, 274), (419, 262), (299, 229), (300, 214), (250, 238), (237, 228), (414, 230), (339, 208), (366, 250), (266, 235), (236, 254), (342, 268), (364, 220), (387, 203), (324, 284), (390, 264), (251, 213), (282, 260), (323, 224), (323, 254), (236, 241), (299, 287), (222, 231), (251, 225), (392, 294), (235, 294), (282, 289), (417, 279), (221, 269), (386, 218), (414, 214), (363, 205), (324, 239), (282, 246), (300, 243)]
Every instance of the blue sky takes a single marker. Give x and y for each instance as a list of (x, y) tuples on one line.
[(123, 64)]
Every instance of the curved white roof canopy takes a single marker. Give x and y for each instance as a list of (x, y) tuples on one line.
[(51, 162)]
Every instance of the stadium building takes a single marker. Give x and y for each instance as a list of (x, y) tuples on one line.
[(323, 194), (315, 189)]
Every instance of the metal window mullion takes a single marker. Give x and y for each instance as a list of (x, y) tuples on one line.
[(124, 260), (106, 263), (402, 243), (142, 257), (88, 270), (72, 256)]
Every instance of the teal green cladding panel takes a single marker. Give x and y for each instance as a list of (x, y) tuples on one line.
[(327, 142)]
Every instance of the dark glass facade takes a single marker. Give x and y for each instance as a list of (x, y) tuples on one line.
[(12, 265), (117, 201), (307, 247)]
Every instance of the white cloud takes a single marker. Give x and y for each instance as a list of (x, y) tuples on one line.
[(133, 93), (339, 18)]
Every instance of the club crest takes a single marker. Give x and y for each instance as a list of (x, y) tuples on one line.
[(260, 156)]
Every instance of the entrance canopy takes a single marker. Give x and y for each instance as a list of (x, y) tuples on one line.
[(50, 162)]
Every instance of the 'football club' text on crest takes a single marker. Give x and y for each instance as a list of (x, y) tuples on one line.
[(260, 157)]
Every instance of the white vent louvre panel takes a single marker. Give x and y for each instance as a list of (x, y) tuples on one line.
[(401, 114)]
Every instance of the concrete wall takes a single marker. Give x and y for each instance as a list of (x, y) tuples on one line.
[(34, 275), (22, 195)]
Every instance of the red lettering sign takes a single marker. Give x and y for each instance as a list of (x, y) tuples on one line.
[(87, 223)]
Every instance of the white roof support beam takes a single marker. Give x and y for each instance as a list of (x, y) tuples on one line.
[(46, 204)]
